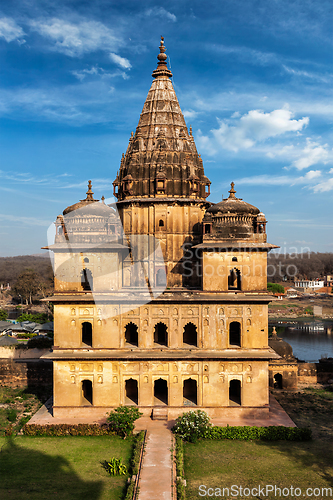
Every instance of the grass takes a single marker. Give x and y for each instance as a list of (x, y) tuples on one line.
[(68, 468), (221, 464)]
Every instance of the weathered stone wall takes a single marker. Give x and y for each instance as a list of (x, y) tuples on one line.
[(25, 374)]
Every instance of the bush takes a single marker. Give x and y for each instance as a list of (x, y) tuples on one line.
[(121, 420), (35, 318), (11, 415), (275, 288), (271, 433), (66, 430), (40, 343), (3, 315), (115, 467), (192, 425), (137, 447)]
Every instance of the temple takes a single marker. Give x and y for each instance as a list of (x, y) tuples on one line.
[(161, 299)]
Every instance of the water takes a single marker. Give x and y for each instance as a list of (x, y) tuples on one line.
[(310, 340)]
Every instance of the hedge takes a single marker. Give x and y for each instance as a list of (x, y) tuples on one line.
[(180, 483), (66, 430), (135, 463), (271, 433)]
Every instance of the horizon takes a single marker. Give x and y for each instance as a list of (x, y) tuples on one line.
[(254, 82)]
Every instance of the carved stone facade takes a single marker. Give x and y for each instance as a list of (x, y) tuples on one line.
[(197, 338)]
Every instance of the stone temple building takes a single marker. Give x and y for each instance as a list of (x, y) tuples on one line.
[(160, 300)]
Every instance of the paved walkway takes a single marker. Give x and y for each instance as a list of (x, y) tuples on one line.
[(156, 481)]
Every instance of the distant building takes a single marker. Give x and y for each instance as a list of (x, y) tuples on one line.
[(309, 285), (328, 280)]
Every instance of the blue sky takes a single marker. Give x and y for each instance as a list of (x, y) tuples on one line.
[(253, 78)]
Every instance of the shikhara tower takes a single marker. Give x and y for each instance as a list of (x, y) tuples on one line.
[(202, 340)]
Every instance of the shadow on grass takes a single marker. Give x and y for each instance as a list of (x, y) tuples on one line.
[(310, 455), (30, 474)]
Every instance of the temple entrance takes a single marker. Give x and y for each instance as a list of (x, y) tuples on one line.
[(190, 336), (131, 334), (161, 334), (235, 333), (190, 392), (235, 393), (87, 334), (278, 381), (86, 393), (131, 391), (160, 392)]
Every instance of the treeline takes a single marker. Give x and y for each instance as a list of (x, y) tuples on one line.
[(12, 267), (309, 266)]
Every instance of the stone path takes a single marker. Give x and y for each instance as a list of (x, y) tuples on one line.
[(156, 481)]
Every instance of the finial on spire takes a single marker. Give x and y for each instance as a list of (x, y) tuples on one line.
[(191, 130), (232, 191), (89, 193), (162, 69)]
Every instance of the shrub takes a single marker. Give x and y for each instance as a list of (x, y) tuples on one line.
[(135, 460), (66, 430), (115, 467), (275, 288), (40, 343), (3, 315), (121, 420), (11, 415), (271, 433), (192, 425), (35, 318)]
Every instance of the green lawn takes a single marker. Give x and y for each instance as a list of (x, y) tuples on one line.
[(221, 464), (68, 468)]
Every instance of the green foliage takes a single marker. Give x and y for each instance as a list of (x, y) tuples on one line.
[(40, 343), (192, 425), (3, 315), (309, 310), (271, 433), (275, 288), (180, 488), (130, 491), (66, 430), (26, 335), (115, 467), (11, 415), (179, 456), (137, 447), (121, 420), (35, 318)]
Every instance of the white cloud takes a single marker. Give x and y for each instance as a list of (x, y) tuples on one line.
[(161, 12), (312, 153), (331, 171), (279, 180), (324, 186), (76, 39), (96, 71), (11, 31), (254, 126), (120, 61), (189, 113), (308, 74)]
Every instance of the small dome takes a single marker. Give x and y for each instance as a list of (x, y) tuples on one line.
[(82, 203), (233, 205)]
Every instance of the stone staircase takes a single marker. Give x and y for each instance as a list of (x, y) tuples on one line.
[(159, 414)]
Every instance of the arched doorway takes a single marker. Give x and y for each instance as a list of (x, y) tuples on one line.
[(86, 393), (235, 393), (190, 335), (87, 333), (131, 334), (161, 334), (235, 333), (160, 392), (190, 392), (86, 279), (234, 279), (131, 391), (278, 381), (161, 277)]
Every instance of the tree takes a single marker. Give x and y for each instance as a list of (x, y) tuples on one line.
[(27, 285), (3, 315), (275, 288)]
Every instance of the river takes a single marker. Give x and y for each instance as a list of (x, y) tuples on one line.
[(310, 339)]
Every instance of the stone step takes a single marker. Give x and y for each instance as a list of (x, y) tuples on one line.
[(159, 414)]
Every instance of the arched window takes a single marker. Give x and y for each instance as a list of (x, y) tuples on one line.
[(86, 260), (131, 391), (86, 393), (234, 259), (234, 279), (235, 393), (131, 334), (190, 335), (87, 333), (235, 334), (160, 392), (161, 334), (278, 381), (86, 279), (161, 223), (190, 392)]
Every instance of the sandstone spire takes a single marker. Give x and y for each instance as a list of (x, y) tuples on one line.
[(161, 158)]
